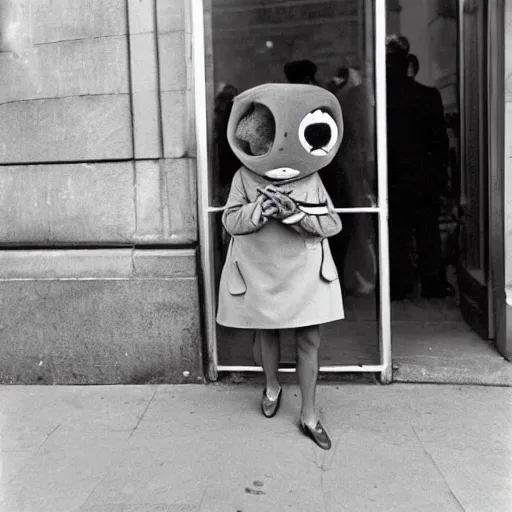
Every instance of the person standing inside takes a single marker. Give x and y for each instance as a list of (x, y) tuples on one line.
[(349, 182), (301, 72), (417, 159)]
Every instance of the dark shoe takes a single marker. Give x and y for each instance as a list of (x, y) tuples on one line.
[(318, 435), (270, 407)]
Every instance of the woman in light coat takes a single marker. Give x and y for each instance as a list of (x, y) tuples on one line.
[(279, 272)]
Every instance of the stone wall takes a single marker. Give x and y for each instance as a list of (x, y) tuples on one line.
[(97, 159)]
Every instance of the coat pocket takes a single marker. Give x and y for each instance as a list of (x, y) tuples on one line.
[(328, 270), (236, 282)]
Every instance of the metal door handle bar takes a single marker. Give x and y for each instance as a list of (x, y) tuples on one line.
[(362, 209)]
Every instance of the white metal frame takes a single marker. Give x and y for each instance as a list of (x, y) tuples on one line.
[(205, 210)]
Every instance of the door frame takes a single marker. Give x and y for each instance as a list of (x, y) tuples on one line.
[(200, 52), (496, 163), (494, 97)]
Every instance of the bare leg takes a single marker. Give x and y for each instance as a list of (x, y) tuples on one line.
[(308, 342), (256, 349), (270, 355)]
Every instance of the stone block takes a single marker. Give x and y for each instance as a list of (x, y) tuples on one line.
[(180, 220), (100, 332), (72, 19), (173, 68), (171, 15), (148, 186), (70, 203), (76, 264), (66, 264), (15, 36), (141, 15), (145, 99), (165, 263), (69, 68), (144, 62), (66, 129), (177, 123), (147, 131)]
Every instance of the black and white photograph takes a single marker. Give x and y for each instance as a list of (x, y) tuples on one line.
[(255, 255)]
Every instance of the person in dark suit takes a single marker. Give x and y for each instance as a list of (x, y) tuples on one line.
[(417, 158), (413, 67), (350, 183)]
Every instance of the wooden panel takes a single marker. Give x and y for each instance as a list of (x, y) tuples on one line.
[(66, 129), (473, 302), (72, 203), (472, 130)]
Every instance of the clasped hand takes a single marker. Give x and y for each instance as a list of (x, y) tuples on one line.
[(276, 203)]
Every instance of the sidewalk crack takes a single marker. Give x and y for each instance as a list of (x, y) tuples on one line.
[(41, 445), (143, 413), (94, 488), (327, 498), (438, 469)]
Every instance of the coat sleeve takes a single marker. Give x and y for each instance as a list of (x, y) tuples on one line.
[(241, 217), (323, 226)]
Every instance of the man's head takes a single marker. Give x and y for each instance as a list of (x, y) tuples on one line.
[(414, 66), (397, 62), (396, 43), (300, 72)]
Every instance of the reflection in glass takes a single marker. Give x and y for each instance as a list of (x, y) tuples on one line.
[(352, 341), (330, 44)]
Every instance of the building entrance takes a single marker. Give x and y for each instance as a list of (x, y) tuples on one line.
[(340, 45)]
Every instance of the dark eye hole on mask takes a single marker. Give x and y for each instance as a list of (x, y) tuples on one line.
[(317, 135), (256, 130)]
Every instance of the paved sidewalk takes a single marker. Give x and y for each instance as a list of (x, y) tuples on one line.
[(207, 448)]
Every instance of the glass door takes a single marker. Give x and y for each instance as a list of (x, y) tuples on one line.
[(239, 44)]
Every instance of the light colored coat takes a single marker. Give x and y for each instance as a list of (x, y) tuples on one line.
[(278, 276)]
